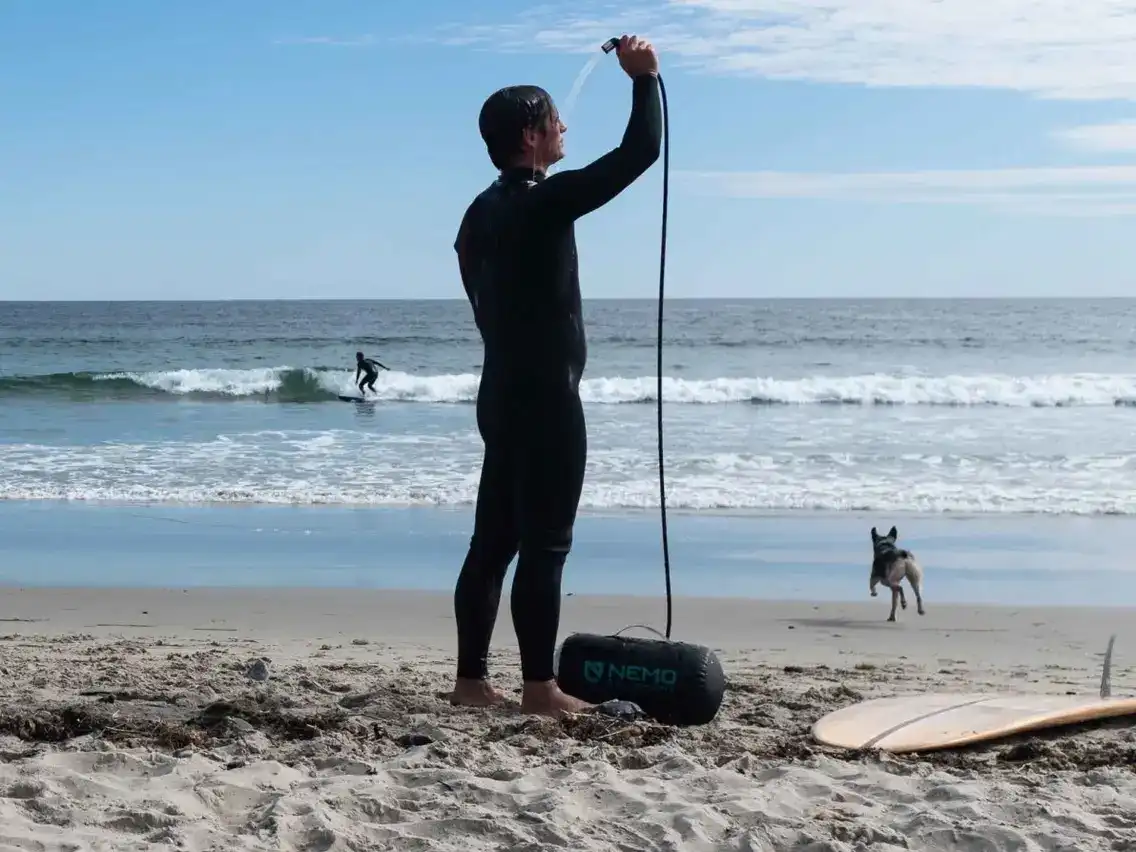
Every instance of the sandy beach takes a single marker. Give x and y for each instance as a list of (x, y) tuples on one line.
[(316, 720)]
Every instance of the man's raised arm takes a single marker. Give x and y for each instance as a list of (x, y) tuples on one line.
[(568, 195)]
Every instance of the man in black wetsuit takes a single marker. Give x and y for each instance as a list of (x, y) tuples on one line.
[(517, 254), (366, 368)]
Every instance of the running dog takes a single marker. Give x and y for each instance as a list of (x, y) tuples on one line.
[(890, 565)]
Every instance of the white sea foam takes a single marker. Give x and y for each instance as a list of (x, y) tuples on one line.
[(1058, 390), (981, 443), (322, 467), (217, 381)]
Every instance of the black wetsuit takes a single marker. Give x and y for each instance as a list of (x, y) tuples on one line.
[(517, 254), (367, 365)]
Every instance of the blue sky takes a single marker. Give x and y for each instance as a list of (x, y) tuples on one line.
[(327, 149)]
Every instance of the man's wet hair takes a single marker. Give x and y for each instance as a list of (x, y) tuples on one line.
[(507, 114)]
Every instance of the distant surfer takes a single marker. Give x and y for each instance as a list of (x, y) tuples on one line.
[(517, 257), (365, 367)]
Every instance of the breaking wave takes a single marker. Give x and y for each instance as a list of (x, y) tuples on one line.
[(317, 384)]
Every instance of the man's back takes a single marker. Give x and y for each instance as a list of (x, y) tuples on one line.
[(521, 276)]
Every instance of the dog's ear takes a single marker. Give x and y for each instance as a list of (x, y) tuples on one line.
[(875, 535), (893, 534)]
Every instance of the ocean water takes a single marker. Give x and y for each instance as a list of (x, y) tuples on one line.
[(938, 407)]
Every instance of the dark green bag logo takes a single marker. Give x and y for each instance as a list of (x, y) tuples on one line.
[(597, 671), (593, 671)]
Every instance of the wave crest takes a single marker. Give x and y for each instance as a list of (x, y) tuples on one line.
[(319, 384)]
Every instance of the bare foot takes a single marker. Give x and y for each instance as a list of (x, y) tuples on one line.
[(544, 698), (475, 693)]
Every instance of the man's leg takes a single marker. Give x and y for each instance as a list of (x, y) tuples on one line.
[(477, 596), (554, 455), (371, 382)]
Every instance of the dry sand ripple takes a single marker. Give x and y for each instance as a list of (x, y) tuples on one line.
[(191, 744)]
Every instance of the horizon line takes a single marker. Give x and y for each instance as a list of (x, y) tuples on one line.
[(653, 299)]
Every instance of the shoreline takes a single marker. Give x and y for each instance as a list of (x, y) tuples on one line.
[(633, 512), (818, 560), (298, 619)]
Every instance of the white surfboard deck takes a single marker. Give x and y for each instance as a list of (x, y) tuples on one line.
[(931, 721)]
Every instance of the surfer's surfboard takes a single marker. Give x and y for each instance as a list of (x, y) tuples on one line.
[(931, 721), (346, 398)]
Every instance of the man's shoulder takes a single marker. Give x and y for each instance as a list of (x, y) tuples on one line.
[(478, 205), (492, 195), (493, 207)]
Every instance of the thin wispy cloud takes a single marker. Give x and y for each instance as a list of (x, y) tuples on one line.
[(1081, 49), (1063, 49), (366, 40), (1118, 137), (1074, 191)]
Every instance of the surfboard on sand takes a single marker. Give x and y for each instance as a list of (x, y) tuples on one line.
[(928, 722), (932, 721)]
